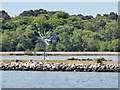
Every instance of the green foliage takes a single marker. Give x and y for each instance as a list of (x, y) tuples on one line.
[(100, 60), (73, 32), (33, 12), (80, 59), (63, 34), (88, 59), (72, 58), (4, 15), (61, 14)]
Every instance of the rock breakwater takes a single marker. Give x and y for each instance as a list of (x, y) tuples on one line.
[(49, 66)]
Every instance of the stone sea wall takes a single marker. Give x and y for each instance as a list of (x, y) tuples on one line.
[(49, 66)]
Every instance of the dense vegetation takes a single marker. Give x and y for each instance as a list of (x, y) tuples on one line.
[(98, 60), (73, 32)]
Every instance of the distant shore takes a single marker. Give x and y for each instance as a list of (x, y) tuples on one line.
[(59, 53)]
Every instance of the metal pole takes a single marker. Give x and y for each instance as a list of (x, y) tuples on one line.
[(44, 54)]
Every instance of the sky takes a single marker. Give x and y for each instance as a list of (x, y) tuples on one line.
[(60, 0), (85, 8)]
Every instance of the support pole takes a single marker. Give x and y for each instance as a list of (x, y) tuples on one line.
[(44, 54)]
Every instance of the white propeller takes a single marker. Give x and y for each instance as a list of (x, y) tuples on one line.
[(44, 38)]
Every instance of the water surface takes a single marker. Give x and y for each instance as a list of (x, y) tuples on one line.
[(59, 57), (39, 79)]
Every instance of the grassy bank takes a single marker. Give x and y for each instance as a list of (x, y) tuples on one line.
[(65, 61)]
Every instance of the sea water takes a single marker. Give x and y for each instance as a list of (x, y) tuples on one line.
[(60, 57), (45, 79)]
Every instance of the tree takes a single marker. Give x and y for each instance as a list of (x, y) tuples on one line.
[(104, 46), (5, 16), (64, 33), (90, 26), (33, 12), (61, 14), (76, 22), (113, 46), (76, 40), (73, 32), (38, 47), (6, 41)]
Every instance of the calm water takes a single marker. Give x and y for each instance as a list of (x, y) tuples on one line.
[(59, 57), (35, 79)]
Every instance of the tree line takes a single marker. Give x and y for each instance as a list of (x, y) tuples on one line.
[(73, 32)]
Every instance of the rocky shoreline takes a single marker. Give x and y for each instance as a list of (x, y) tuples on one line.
[(50, 66)]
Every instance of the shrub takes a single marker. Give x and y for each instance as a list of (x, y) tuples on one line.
[(89, 59), (109, 60), (80, 59), (72, 58), (100, 60)]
